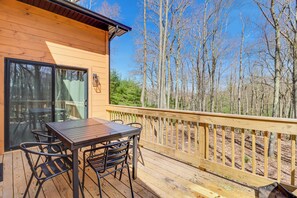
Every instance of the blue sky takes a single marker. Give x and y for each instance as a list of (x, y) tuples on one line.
[(123, 48)]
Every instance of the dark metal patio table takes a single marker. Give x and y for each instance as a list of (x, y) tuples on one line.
[(76, 134)]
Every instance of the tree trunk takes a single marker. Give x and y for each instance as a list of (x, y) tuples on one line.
[(160, 54), (143, 91), (277, 65), (240, 71)]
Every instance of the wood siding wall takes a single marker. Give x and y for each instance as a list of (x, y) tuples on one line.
[(29, 33)]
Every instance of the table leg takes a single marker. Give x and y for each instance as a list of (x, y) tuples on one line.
[(75, 173), (134, 158)]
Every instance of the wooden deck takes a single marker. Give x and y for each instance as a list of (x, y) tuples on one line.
[(160, 177)]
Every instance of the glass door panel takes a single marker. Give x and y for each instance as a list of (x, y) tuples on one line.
[(30, 100), (71, 94)]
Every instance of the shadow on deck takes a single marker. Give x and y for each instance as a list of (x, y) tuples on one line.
[(160, 177)]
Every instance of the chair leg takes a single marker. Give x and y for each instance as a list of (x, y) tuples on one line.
[(115, 172), (99, 185), (28, 186), (39, 188), (141, 155), (121, 172), (130, 181), (39, 177)]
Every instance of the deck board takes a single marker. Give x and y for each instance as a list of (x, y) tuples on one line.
[(160, 177), (7, 175)]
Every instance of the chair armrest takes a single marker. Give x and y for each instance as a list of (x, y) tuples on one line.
[(24, 146)]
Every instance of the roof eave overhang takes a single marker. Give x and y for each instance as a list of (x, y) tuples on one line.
[(81, 14)]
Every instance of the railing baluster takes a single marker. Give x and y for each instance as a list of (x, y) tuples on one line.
[(171, 131), (152, 132), (242, 150), (207, 141), (195, 137), (145, 126), (167, 128), (183, 135), (189, 137), (279, 157), (266, 154), (223, 144), (293, 158), (158, 129), (254, 151), (215, 143), (153, 129), (176, 134), (232, 148), (161, 132)]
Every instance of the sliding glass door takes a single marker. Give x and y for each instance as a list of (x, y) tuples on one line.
[(29, 93), (71, 94), (36, 93)]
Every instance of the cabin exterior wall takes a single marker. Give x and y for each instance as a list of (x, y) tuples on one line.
[(33, 34)]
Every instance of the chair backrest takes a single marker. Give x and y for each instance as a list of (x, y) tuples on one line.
[(119, 121), (137, 125), (115, 154), (29, 153)]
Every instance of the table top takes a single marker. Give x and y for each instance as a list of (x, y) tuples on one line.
[(80, 133)]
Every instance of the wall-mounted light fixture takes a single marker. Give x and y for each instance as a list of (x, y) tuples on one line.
[(96, 83)]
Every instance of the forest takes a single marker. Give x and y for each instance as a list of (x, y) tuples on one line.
[(190, 55), (194, 64)]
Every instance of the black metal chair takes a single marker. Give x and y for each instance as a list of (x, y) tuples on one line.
[(119, 121), (106, 160), (59, 163), (137, 125), (43, 136)]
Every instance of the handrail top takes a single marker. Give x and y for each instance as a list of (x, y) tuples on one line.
[(223, 115)]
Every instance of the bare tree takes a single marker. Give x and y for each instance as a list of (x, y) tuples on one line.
[(240, 82), (143, 92), (274, 21)]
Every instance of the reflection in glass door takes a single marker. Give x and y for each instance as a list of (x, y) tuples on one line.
[(36, 93), (71, 94), (30, 100)]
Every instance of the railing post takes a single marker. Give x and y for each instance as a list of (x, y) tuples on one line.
[(202, 144)]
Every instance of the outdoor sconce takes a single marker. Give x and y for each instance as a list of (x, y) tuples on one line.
[(96, 83)]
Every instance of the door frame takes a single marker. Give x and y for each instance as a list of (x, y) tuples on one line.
[(7, 62)]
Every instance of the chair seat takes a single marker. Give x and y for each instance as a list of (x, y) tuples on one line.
[(54, 167), (96, 163)]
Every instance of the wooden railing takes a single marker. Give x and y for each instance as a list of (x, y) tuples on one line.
[(232, 146)]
